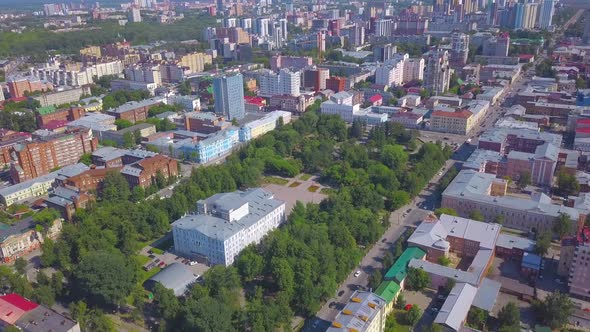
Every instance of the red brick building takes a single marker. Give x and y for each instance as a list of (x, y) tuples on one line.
[(8, 139), (45, 115), (143, 173), (206, 123), (134, 111), (18, 87), (44, 155), (336, 83), (90, 180)]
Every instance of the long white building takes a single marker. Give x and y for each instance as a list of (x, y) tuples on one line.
[(226, 224)]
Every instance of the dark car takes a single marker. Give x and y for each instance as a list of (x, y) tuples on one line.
[(340, 293), (152, 256)]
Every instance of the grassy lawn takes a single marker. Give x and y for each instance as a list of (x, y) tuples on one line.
[(313, 188), (157, 251), (274, 180), (294, 184), (305, 177)]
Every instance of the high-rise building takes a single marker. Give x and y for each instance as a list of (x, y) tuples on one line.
[(383, 27), (518, 15), (437, 74), (413, 69), (529, 19), (497, 46), (459, 49), (356, 35), (196, 62), (262, 26), (283, 83), (134, 15), (283, 24), (228, 92), (315, 78), (383, 53), (546, 15), (321, 41), (391, 73)]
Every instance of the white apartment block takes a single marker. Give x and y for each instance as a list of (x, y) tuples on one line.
[(390, 74), (340, 104), (188, 103), (285, 82), (413, 69), (226, 224)]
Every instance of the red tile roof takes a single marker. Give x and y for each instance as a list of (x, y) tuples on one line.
[(19, 302), (255, 100), (375, 98)]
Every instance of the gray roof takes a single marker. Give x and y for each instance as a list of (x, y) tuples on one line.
[(175, 276), (475, 186), (135, 104), (499, 135), (47, 320), (486, 294), (547, 150), (444, 271), (108, 153), (133, 128), (480, 157), (484, 233), (166, 115), (456, 307), (430, 233), (140, 153), (26, 184), (512, 241), (72, 170), (17, 228), (260, 201)]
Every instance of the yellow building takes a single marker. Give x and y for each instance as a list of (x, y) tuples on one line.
[(459, 122), (28, 189), (93, 51), (22, 237), (196, 61)]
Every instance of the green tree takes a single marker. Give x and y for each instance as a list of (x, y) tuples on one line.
[(509, 315), (44, 295), (105, 277), (400, 301), (417, 279), (562, 225), (249, 264), (138, 194), (166, 302), (543, 243), (122, 124), (48, 257), (20, 265), (477, 317), (567, 184), (46, 217), (434, 328), (554, 310), (394, 156), (86, 159), (128, 140), (444, 261), (375, 279), (448, 286), (523, 180), (476, 215), (115, 187), (440, 211), (413, 315)]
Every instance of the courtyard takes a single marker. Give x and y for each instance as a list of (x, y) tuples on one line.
[(303, 188)]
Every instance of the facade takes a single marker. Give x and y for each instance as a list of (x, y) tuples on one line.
[(188, 103), (315, 78), (38, 158), (546, 13), (144, 172), (226, 224), (283, 83), (472, 190), (391, 73), (62, 97), (134, 111), (458, 122), (205, 123), (195, 62), (22, 238), (259, 127), (413, 69), (437, 74), (296, 63), (228, 92), (17, 86), (336, 84), (292, 104), (212, 147), (340, 104), (28, 189), (142, 130), (47, 114)]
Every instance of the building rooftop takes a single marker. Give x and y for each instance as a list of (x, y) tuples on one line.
[(475, 186), (456, 306), (260, 202), (132, 105), (531, 261), (486, 234), (388, 290), (176, 277), (430, 233), (486, 294), (399, 269), (108, 153), (479, 157), (46, 110), (511, 241), (18, 227), (27, 184), (358, 313)]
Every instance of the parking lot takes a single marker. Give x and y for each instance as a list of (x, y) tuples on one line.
[(169, 257)]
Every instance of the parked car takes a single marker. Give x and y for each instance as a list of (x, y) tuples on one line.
[(152, 256), (193, 263), (357, 273)]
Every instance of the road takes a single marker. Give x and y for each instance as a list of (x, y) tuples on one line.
[(420, 207)]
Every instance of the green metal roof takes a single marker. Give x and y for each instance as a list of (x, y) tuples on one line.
[(388, 290), (399, 269), (46, 110)]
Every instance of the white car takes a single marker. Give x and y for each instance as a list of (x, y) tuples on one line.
[(357, 273), (193, 263)]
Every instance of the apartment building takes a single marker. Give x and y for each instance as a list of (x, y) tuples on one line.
[(458, 122), (336, 84), (472, 190), (364, 312), (228, 91), (226, 224), (259, 127), (205, 123), (144, 172), (215, 145), (47, 114), (296, 63), (292, 104), (188, 103), (195, 62), (437, 74), (45, 154), (392, 73), (18, 86), (62, 97), (21, 238), (413, 69), (9, 139), (285, 82)]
